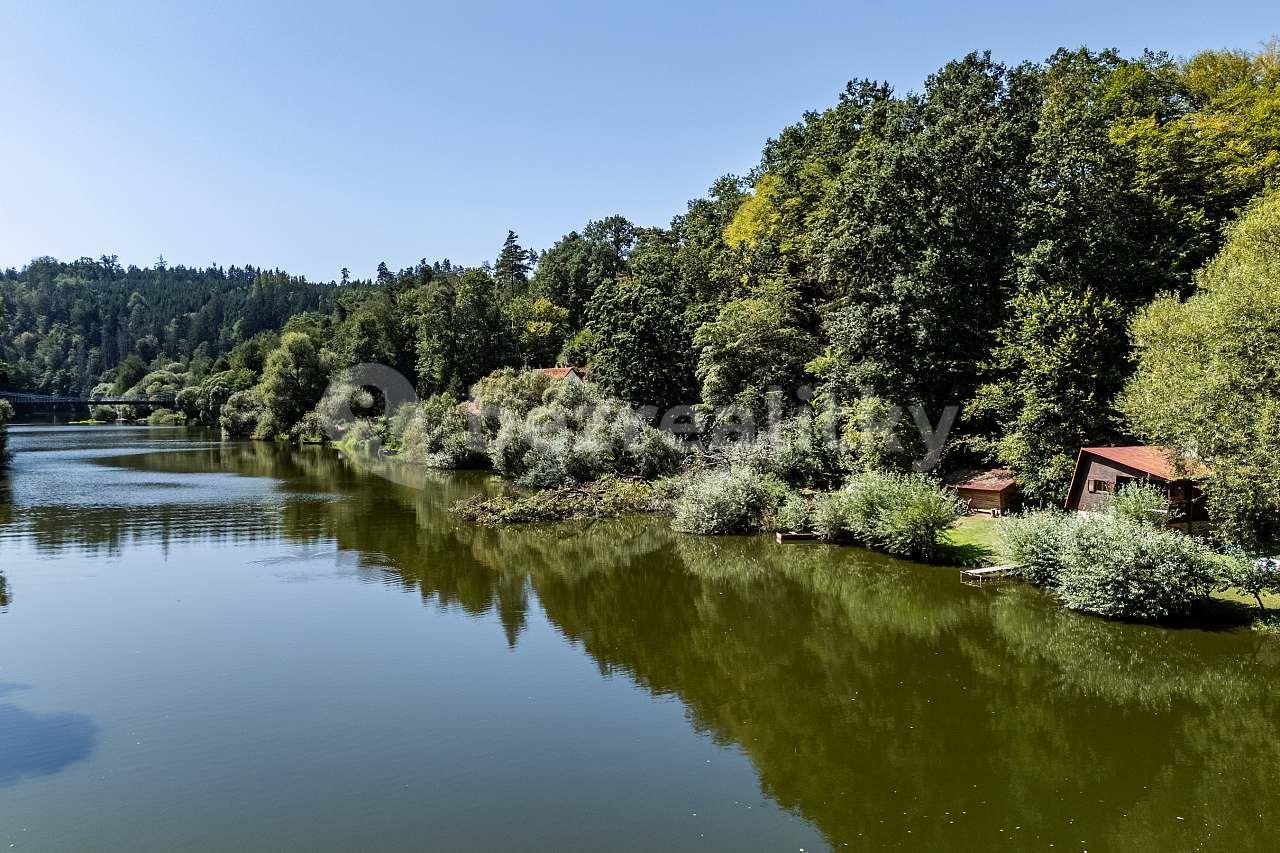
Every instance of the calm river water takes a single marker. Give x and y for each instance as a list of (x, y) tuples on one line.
[(210, 646)]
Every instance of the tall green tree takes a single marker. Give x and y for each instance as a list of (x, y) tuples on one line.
[(1058, 364), (1208, 377), (753, 345), (511, 271), (293, 379), (913, 238), (570, 271), (642, 342)]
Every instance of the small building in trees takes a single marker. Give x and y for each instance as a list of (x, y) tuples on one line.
[(993, 491), (1102, 471), (571, 373)]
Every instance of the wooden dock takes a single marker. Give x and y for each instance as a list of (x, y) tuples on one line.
[(978, 577), (794, 536)]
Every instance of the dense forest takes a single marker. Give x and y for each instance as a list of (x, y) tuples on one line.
[(988, 242)]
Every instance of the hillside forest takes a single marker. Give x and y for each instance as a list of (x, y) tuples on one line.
[(1078, 251)]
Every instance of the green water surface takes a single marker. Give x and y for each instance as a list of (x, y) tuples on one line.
[(208, 646)]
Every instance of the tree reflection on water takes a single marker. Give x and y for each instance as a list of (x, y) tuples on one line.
[(873, 696)]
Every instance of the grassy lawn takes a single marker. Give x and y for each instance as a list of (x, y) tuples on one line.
[(971, 542)]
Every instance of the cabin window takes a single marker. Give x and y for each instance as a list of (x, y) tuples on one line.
[(1121, 482), (1102, 486)]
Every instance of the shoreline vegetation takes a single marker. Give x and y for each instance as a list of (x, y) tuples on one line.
[(1006, 266)]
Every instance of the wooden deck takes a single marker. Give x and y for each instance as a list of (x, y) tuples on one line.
[(977, 577), (793, 536)]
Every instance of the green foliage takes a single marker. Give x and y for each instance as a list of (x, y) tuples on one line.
[(1115, 567), (240, 414), (511, 272), (1207, 381), (543, 327), (605, 498), (438, 433), (512, 391), (642, 351), (1058, 362), (1141, 502), (293, 379), (903, 514), (1033, 544), (728, 500), (166, 417), (309, 430), (69, 323), (576, 434), (6, 414), (570, 272), (754, 344), (795, 514), (1254, 578)]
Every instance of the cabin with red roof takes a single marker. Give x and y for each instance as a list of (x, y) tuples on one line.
[(1102, 471), (992, 491)]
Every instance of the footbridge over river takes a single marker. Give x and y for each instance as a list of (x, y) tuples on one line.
[(25, 400)]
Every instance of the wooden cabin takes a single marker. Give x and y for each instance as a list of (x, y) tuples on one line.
[(993, 491), (1102, 471)]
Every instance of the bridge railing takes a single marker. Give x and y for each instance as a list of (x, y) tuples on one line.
[(54, 399)]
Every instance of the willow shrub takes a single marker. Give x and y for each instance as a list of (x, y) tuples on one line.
[(737, 499), (437, 433), (1033, 545), (554, 443), (902, 514), (1117, 567)]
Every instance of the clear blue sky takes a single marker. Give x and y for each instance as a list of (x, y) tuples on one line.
[(312, 136)]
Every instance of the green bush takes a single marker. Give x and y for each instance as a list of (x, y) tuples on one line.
[(165, 417), (240, 414), (902, 514), (544, 462), (106, 414), (509, 392), (1141, 502), (557, 441), (605, 498), (1033, 544), (732, 500), (1116, 567), (510, 445), (363, 436), (1251, 577), (309, 430), (437, 433), (832, 515), (795, 514)]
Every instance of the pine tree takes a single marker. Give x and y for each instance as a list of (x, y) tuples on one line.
[(512, 269)]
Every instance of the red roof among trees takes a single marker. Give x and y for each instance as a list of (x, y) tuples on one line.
[(1156, 460), (560, 372)]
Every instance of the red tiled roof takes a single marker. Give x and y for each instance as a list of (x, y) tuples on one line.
[(559, 372), (1155, 460), (993, 480)]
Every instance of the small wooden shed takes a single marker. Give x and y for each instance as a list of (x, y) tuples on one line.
[(993, 491)]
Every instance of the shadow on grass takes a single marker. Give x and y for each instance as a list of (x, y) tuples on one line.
[(1220, 614), (965, 555)]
